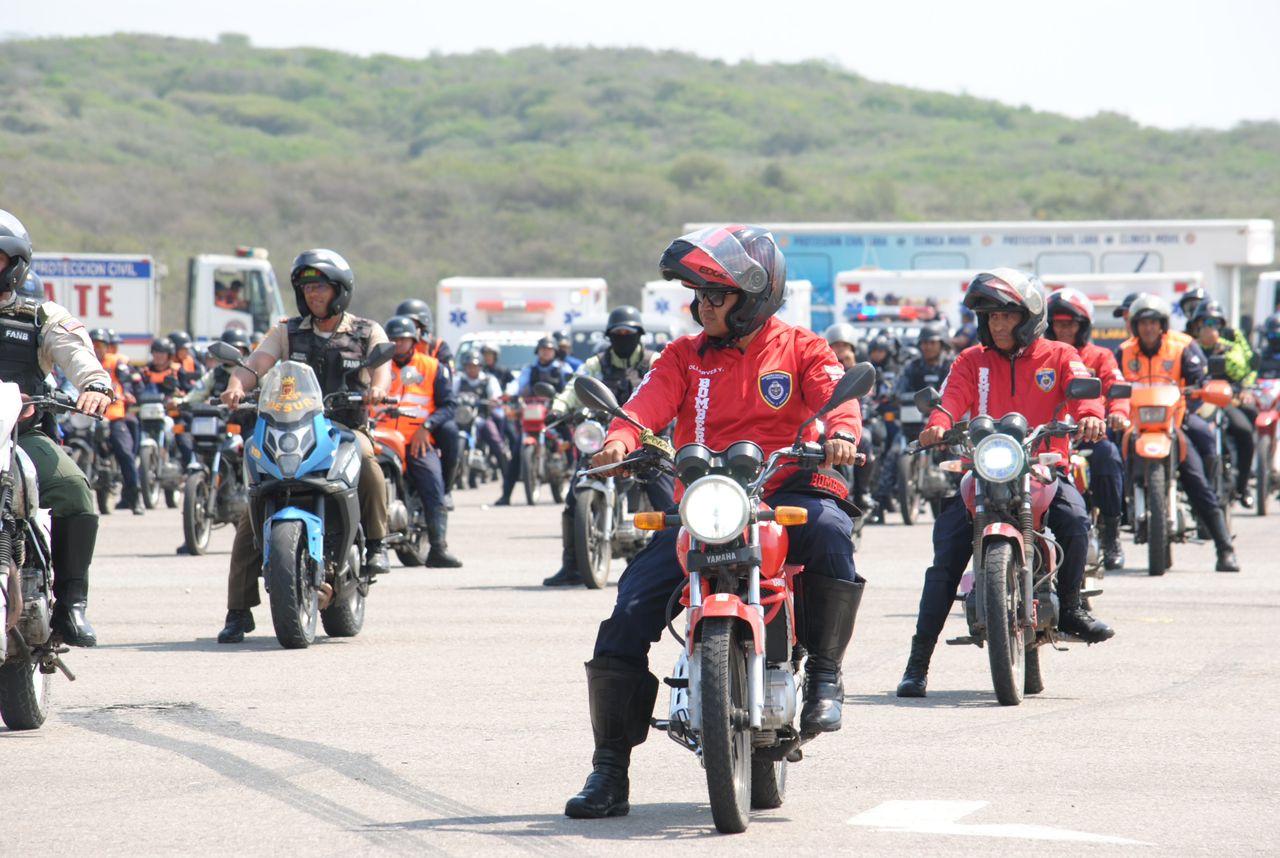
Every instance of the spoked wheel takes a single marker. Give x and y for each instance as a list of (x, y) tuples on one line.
[(726, 736), (1262, 474), (295, 603), (195, 513), (24, 694), (345, 616), (593, 552), (768, 783), (1005, 645), (1157, 493), (148, 479), (531, 471)]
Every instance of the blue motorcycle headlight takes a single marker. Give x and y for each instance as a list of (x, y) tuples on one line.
[(998, 458)]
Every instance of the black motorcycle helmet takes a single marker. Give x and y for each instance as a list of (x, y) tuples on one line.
[(16, 244), (1204, 311), (880, 342), (1119, 312), (113, 339), (1076, 305), (180, 339), (1148, 306), (1191, 300), (401, 326), (320, 265), (100, 335), (472, 359), (624, 330), (238, 338), (163, 345), (933, 332), (737, 257), (1008, 289), (417, 310), (545, 343)]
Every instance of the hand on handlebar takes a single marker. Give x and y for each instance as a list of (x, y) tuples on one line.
[(612, 454), (1091, 429), (931, 435), (840, 452), (1117, 421), (92, 403)]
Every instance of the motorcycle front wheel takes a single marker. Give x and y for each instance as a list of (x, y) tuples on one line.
[(726, 738), (1005, 646), (908, 500), (1262, 475), (592, 551), (195, 513), (148, 478), (531, 470), (24, 694), (295, 602), (1157, 495)]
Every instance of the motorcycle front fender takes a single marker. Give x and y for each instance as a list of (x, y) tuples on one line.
[(727, 605), (1002, 531), (1153, 445), (311, 524)]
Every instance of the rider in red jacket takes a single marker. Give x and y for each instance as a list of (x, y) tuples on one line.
[(746, 376), (1014, 369)]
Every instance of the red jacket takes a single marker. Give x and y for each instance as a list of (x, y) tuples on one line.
[(1102, 363), (986, 381), (724, 395)]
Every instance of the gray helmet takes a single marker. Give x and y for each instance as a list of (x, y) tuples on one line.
[(1147, 306), (312, 266), (16, 244), (841, 332)]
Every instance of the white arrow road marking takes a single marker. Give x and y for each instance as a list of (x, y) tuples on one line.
[(942, 817)]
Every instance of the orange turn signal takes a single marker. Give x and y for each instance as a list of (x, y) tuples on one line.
[(790, 515), (233, 428), (651, 520), (178, 429), (953, 466)]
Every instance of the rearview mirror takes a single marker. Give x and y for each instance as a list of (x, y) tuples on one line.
[(927, 400), (1120, 390), (1084, 388), (226, 353), (377, 356), (854, 384), (595, 394)]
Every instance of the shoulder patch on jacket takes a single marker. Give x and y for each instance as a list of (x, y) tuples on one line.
[(775, 388), (1046, 378)]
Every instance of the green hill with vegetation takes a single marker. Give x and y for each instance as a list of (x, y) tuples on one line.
[(572, 162)]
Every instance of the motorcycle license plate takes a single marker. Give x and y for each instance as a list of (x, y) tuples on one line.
[(204, 426), (910, 414), (535, 412), (151, 411)]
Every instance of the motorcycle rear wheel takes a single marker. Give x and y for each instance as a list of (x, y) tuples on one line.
[(413, 551), (195, 513), (24, 694), (531, 472), (1157, 492), (1005, 642), (295, 602), (768, 783), (726, 748), (345, 617), (1262, 475), (592, 551)]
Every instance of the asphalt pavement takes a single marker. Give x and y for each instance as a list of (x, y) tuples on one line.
[(456, 722)]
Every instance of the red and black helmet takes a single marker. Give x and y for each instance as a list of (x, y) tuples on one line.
[(738, 257), (1071, 304), (1010, 290)]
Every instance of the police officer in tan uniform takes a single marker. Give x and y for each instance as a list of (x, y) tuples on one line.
[(36, 336), (329, 339)]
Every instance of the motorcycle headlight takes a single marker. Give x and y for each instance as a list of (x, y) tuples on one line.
[(1153, 413), (998, 458), (715, 509), (289, 464), (588, 437)]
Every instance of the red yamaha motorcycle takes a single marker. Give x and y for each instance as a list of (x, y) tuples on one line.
[(734, 690), (1010, 596)]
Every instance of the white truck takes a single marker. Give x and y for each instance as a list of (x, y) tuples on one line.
[(122, 292), (669, 301), (475, 305)]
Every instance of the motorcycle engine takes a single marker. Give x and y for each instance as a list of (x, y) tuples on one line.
[(397, 517)]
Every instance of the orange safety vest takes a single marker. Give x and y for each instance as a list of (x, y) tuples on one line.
[(116, 410), (1165, 366), (424, 348), (417, 397)]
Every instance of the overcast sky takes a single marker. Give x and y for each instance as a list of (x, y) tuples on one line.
[(1172, 64)]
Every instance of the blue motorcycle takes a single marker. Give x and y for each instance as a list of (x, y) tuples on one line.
[(303, 471)]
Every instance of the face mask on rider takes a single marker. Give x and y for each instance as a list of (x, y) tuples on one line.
[(624, 345)]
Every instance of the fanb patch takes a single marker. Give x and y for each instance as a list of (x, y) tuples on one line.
[(1046, 378), (775, 388)]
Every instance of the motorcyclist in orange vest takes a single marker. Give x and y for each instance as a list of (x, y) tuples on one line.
[(446, 435), (425, 390), (123, 434), (189, 371), (1155, 354)]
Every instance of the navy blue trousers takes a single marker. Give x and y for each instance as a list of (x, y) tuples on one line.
[(445, 438), (824, 545), (953, 549), (427, 475), (1106, 477), (124, 445)]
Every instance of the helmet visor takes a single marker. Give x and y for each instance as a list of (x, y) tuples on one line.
[(718, 258)]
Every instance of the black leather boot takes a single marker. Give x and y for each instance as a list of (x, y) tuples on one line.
[(1109, 536), (568, 575), (1216, 522), (830, 609), (437, 526), (73, 539), (375, 557), (239, 623), (621, 697), (916, 677)]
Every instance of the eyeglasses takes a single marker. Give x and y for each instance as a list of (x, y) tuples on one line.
[(1212, 323), (714, 297), (316, 286)]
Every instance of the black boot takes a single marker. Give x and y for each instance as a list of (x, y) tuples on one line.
[(621, 698), (1216, 522), (916, 677), (375, 557), (830, 609), (1112, 553), (239, 623), (437, 525), (568, 575), (73, 539)]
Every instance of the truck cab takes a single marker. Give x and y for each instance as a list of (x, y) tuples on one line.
[(232, 291)]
